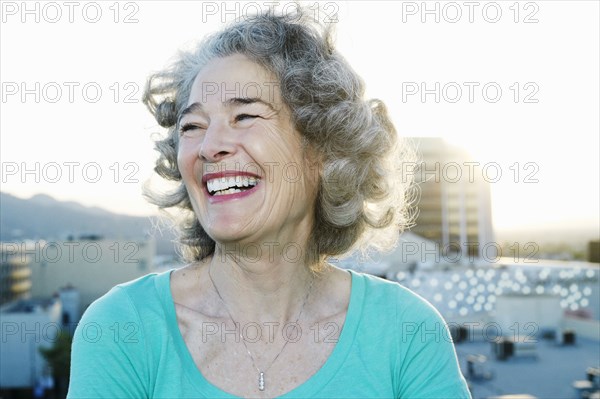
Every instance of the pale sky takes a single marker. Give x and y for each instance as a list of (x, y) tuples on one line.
[(549, 67)]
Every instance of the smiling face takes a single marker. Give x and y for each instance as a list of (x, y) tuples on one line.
[(241, 158)]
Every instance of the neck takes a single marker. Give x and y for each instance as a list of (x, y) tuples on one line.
[(269, 288)]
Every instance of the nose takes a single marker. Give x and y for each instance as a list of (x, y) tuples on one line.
[(217, 143)]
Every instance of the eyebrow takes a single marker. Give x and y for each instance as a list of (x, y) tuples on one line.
[(232, 102)]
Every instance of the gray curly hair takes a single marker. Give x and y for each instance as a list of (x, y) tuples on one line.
[(363, 198)]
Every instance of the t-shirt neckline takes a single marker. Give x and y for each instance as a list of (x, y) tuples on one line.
[(309, 387)]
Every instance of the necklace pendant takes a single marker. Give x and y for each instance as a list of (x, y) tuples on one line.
[(261, 381)]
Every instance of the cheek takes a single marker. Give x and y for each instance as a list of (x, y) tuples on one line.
[(185, 159), (275, 142)]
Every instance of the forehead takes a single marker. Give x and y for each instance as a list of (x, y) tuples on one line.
[(234, 76)]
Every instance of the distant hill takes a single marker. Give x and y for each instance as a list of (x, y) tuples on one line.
[(43, 217), (577, 236)]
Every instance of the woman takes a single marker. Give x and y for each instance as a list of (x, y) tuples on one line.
[(281, 164)]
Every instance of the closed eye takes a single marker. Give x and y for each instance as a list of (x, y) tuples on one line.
[(187, 127), (242, 117)]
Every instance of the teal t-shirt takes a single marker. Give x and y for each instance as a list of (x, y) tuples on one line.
[(393, 344)]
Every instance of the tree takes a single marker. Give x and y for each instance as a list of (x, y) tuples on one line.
[(58, 356)]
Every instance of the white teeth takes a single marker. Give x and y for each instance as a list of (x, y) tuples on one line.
[(228, 191), (226, 184)]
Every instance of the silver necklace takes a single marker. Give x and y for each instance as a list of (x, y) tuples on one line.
[(261, 373)]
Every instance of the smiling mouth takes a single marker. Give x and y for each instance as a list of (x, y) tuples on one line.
[(230, 185)]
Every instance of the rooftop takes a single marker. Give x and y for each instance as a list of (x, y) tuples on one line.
[(548, 372), (28, 305), (541, 368)]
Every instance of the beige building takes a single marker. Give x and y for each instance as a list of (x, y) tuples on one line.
[(454, 205), (15, 272), (91, 265)]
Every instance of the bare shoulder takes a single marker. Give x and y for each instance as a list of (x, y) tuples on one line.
[(334, 287), (339, 280), (188, 285)]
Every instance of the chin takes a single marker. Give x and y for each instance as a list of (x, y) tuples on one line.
[(227, 233)]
